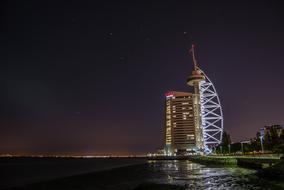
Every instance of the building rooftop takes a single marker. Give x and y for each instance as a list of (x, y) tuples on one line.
[(176, 93)]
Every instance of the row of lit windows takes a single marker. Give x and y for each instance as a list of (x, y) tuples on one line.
[(190, 115), (178, 97), (181, 108), (181, 105)]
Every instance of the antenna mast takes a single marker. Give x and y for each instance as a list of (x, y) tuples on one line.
[(193, 57)]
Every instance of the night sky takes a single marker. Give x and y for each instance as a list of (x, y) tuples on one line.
[(89, 78)]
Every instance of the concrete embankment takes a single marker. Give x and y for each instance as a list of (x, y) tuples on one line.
[(242, 161), (220, 160), (252, 162)]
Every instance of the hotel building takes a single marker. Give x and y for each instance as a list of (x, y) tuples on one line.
[(181, 114)]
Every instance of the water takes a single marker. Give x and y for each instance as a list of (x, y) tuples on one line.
[(196, 176), (18, 171), (97, 174)]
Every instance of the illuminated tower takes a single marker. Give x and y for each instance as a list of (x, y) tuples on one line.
[(195, 79), (194, 121), (208, 109)]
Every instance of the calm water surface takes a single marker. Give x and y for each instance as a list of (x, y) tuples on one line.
[(21, 171), (197, 176)]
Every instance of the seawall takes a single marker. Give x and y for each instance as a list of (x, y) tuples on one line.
[(252, 162), (214, 160)]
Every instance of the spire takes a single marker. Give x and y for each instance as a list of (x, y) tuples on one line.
[(196, 75), (193, 57)]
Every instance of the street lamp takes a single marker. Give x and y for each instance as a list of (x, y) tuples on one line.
[(261, 136)]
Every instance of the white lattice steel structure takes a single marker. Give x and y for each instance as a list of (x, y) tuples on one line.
[(211, 114)]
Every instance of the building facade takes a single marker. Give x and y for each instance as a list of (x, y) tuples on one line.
[(181, 133)]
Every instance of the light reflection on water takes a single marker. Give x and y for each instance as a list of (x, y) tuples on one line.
[(197, 176)]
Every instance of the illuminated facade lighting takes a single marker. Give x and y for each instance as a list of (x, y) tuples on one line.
[(210, 110), (194, 121), (180, 127)]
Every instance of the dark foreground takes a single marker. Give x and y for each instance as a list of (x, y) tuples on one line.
[(163, 175), (130, 177), (19, 171)]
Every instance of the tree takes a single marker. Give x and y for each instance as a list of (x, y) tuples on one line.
[(272, 140), (255, 143), (224, 145), (282, 136), (235, 147), (226, 139), (275, 138), (279, 147)]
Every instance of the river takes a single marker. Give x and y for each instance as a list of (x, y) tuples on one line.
[(125, 174)]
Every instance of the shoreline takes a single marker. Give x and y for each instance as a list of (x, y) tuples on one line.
[(241, 161)]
